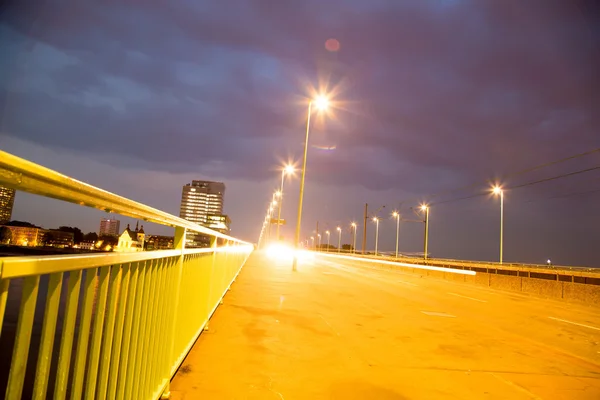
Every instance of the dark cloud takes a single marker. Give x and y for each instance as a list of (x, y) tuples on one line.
[(431, 95)]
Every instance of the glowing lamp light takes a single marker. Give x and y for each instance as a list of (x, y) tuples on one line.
[(321, 102)]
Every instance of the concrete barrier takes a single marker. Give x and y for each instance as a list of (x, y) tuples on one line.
[(589, 294), (506, 282), (562, 285), (542, 288)]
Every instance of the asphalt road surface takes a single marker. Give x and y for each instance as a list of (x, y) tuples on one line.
[(339, 329)]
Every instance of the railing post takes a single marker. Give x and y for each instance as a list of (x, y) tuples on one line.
[(213, 245), (178, 244)]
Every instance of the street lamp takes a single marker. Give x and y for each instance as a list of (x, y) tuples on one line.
[(425, 208), (287, 170), (354, 237), (498, 191), (328, 237), (318, 241), (339, 239), (312, 241), (376, 220), (396, 215), (321, 103)]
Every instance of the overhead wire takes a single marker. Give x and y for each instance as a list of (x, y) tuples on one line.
[(505, 177), (566, 175)]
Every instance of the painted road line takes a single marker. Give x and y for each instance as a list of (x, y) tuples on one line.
[(329, 325), (438, 314), (516, 386), (408, 283), (467, 297), (575, 323)]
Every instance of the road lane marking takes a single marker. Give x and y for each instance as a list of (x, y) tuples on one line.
[(515, 386), (408, 283), (438, 314), (575, 323), (467, 297), (328, 324)]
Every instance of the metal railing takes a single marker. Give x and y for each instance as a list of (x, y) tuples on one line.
[(581, 275), (110, 325)]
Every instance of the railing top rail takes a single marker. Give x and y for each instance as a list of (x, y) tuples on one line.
[(18, 267), (27, 176)]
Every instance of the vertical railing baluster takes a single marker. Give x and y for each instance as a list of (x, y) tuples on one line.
[(92, 373), (165, 340), (18, 366), (121, 379), (116, 276), (144, 338), (68, 335), (156, 325), (47, 341), (3, 299), (83, 338), (179, 244), (130, 374)]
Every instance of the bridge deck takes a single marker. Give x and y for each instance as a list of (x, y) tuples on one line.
[(339, 330)]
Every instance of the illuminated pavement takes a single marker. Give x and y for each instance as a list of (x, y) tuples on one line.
[(337, 330)]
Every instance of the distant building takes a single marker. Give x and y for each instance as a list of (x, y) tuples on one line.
[(130, 241), (109, 227), (219, 223), (56, 238), (7, 200), (87, 245), (199, 201), (156, 242), (26, 235)]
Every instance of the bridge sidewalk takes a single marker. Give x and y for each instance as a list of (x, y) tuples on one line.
[(316, 334)]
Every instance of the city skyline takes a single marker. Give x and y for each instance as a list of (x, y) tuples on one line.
[(428, 97), (7, 200)]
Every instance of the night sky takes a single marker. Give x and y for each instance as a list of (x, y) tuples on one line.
[(140, 97)]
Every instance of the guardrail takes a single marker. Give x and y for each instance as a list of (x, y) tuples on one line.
[(111, 325), (455, 262), (581, 286)]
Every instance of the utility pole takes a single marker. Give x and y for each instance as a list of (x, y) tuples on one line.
[(364, 241), (317, 235)]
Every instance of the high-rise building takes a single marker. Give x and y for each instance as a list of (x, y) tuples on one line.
[(201, 202), (109, 227), (7, 200)]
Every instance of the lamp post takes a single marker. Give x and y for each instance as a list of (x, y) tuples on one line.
[(354, 237), (425, 208), (376, 220), (287, 170), (396, 215), (312, 242), (498, 191), (318, 241), (328, 237), (321, 103), (339, 239)]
